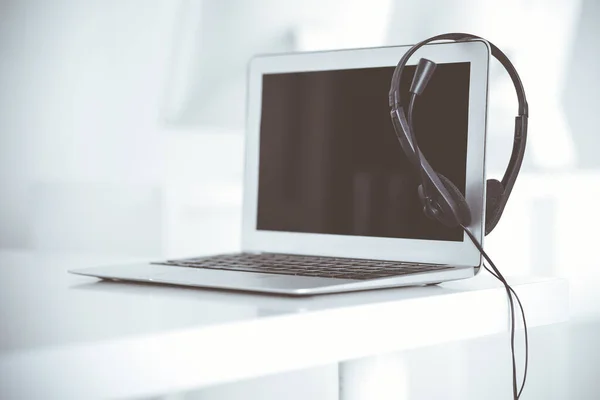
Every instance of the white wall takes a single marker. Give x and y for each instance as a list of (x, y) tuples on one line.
[(82, 142)]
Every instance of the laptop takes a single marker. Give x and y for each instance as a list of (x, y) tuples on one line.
[(330, 200)]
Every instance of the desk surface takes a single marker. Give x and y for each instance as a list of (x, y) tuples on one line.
[(77, 336)]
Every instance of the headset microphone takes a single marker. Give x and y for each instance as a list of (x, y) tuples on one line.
[(423, 74)]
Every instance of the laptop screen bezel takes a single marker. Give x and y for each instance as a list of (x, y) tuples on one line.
[(461, 253)]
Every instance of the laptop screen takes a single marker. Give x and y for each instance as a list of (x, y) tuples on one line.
[(330, 162)]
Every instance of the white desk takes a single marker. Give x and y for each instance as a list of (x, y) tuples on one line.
[(66, 336)]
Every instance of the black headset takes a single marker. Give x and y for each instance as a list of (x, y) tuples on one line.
[(440, 198)]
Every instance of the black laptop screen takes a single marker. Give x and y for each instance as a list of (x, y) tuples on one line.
[(330, 162)]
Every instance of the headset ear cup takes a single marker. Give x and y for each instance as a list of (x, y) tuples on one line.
[(463, 208), (494, 192)]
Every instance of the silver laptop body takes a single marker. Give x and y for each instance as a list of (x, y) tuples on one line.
[(330, 202)]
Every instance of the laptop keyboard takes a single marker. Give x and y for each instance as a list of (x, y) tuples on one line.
[(287, 264)]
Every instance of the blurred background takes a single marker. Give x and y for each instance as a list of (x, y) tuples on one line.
[(122, 123)]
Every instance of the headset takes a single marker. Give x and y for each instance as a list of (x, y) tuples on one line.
[(440, 198)]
